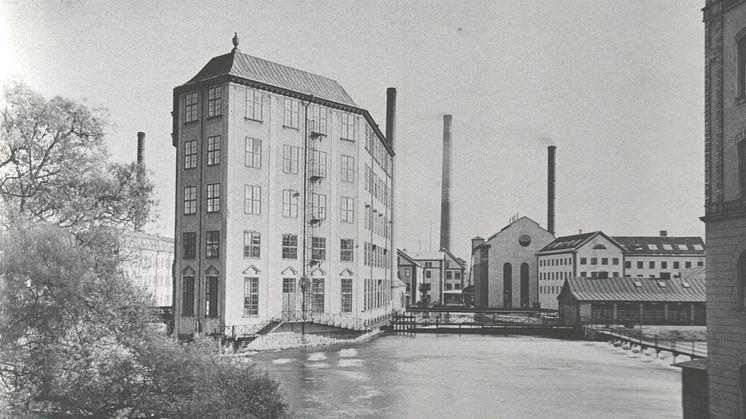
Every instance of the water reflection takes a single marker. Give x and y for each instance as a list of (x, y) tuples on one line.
[(445, 376)]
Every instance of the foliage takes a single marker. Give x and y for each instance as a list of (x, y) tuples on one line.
[(53, 165), (75, 336)]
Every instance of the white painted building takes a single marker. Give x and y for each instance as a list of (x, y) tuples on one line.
[(284, 199), (148, 259), (660, 256), (589, 255)]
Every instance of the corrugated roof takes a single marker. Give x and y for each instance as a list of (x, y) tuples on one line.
[(238, 64), (666, 245), (627, 289), (427, 255)]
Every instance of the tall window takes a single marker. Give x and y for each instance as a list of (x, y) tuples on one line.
[(742, 167), (742, 279), (190, 154), (318, 248), (319, 164), (190, 200), (347, 209), (211, 297), (251, 244), (190, 245), (251, 296), (319, 206), (347, 250), (348, 168), (212, 244), (289, 203), (213, 150), (191, 107), (252, 199), (187, 296), (213, 197), (253, 156), (290, 159), (742, 66), (346, 295), (348, 126), (253, 104), (317, 295), (214, 101), (318, 119), (289, 246), (291, 113)]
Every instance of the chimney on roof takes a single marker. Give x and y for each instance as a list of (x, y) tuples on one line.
[(664, 233)]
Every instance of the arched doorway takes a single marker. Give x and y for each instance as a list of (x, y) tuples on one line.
[(524, 285), (507, 285)]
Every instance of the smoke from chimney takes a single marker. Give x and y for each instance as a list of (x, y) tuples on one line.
[(445, 203), (550, 188)]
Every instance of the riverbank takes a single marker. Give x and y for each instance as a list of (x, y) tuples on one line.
[(275, 342)]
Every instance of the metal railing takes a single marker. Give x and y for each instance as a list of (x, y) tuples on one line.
[(298, 316)]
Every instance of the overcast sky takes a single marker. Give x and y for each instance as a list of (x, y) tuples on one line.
[(616, 85)]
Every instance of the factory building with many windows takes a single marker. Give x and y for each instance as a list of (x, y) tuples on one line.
[(284, 200)]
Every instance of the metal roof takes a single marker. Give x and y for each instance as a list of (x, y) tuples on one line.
[(238, 64), (637, 289), (568, 242), (662, 245)]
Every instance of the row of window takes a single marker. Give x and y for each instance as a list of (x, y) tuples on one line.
[(453, 286), (377, 222), (375, 293), (377, 150), (251, 295), (253, 203), (214, 104), (376, 256), (380, 189), (604, 261), (550, 289), (252, 246), (663, 264)]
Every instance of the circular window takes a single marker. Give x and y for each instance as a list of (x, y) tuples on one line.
[(524, 240)]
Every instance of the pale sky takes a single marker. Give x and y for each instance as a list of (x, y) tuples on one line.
[(616, 85)]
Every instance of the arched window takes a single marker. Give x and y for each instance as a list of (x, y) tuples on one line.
[(507, 285), (599, 246), (524, 285), (741, 272)]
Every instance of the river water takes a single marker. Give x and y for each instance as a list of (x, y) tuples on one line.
[(471, 376)]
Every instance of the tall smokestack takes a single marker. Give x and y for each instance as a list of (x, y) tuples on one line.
[(445, 203), (390, 114), (140, 147), (550, 189)]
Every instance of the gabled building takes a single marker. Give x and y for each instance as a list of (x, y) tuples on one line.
[(585, 255), (411, 273), (660, 256), (504, 267), (283, 199), (443, 277)]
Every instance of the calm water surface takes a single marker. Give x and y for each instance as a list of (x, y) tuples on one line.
[(468, 376)]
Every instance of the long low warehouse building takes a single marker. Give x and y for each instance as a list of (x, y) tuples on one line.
[(634, 300)]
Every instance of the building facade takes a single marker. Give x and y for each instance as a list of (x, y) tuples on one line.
[(586, 255), (505, 265), (633, 301), (411, 273), (725, 205), (443, 277), (284, 199), (148, 259), (660, 256)]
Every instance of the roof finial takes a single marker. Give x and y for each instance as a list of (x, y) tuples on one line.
[(235, 41)]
